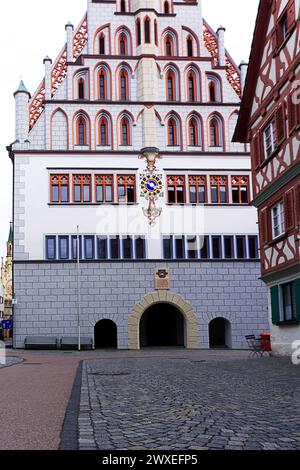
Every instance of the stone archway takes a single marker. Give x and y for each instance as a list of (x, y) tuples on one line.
[(191, 328)]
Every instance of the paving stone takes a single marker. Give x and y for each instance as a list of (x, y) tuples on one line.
[(234, 403)]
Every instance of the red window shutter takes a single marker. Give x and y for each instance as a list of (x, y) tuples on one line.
[(280, 124), (261, 147), (274, 41), (292, 112), (264, 226), (297, 204), (279, 36), (289, 210), (291, 15), (255, 151)]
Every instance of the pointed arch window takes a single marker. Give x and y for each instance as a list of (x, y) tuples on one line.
[(81, 131), (123, 6), (169, 46), (103, 131), (124, 94), (193, 133), (123, 45), (214, 88), (81, 89), (125, 132), (189, 47), (172, 132), (102, 85), (147, 30), (166, 8), (191, 86), (215, 131), (138, 32), (171, 95), (212, 92), (102, 44)]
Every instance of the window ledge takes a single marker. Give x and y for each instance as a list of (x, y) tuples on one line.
[(267, 160), (288, 323), (70, 204), (278, 239)]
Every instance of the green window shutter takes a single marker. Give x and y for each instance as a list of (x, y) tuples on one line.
[(275, 305), (297, 298)]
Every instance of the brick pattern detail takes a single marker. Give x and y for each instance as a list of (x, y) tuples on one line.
[(118, 291)]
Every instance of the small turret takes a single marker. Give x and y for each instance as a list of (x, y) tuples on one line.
[(243, 68), (69, 32), (221, 45), (22, 97), (48, 85)]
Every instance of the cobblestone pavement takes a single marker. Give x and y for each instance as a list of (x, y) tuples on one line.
[(190, 400)]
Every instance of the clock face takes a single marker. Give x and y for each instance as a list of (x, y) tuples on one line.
[(151, 185)]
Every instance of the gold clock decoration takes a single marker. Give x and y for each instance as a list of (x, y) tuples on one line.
[(151, 185)]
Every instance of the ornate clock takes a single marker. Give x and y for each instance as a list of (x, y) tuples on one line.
[(151, 185)]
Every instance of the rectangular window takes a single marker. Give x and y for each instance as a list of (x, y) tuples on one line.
[(140, 248), (204, 251), (283, 28), (192, 250), (168, 247), (104, 188), (270, 138), (59, 192), (179, 247), (51, 247), (82, 185), (218, 188), (127, 248), (278, 226), (102, 247), (115, 247), (126, 188), (176, 189), (228, 247), (197, 189), (63, 247), (216, 248), (240, 247), (89, 249), (74, 252), (240, 189), (253, 247), (287, 302)]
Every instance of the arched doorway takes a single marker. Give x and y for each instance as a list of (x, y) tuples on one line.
[(219, 333), (105, 334), (162, 324)]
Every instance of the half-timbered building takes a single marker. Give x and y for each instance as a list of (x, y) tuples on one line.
[(270, 120)]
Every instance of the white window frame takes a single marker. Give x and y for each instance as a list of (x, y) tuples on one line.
[(285, 27), (270, 133), (282, 307), (278, 226)]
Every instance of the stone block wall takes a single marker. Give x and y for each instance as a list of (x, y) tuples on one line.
[(46, 296)]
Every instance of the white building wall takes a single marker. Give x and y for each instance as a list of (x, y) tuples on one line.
[(284, 337)]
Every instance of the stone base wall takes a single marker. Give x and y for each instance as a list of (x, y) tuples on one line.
[(46, 294)]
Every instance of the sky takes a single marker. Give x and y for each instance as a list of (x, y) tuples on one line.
[(33, 29)]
